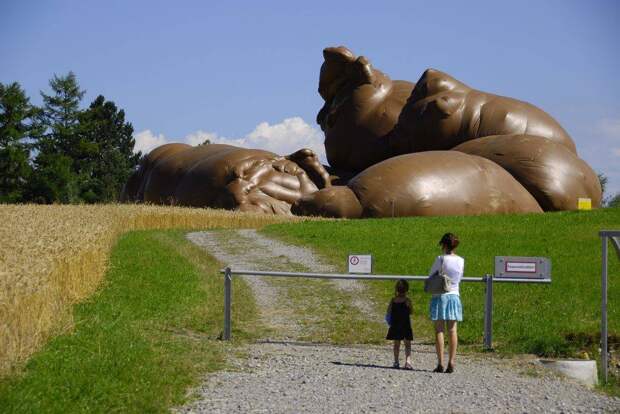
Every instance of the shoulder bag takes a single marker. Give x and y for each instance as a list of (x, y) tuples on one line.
[(439, 282)]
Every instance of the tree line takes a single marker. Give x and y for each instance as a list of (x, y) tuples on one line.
[(60, 152)]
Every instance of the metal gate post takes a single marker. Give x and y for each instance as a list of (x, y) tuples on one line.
[(227, 303), (604, 310), (488, 313)]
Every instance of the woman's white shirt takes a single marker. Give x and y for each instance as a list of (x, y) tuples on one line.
[(453, 265)]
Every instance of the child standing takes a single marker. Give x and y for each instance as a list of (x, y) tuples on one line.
[(399, 311)]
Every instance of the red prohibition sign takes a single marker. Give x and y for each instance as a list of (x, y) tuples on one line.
[(354, 260)]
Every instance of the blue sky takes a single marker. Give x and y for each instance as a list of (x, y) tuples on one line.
[(247, 72)]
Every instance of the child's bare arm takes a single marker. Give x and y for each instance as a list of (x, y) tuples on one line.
[(389, 308), (409, 306)]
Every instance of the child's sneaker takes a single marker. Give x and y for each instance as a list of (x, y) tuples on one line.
[(396, 365)]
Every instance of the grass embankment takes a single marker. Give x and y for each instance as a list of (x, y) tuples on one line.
[(553, 320), (52, 257), (139, 341)]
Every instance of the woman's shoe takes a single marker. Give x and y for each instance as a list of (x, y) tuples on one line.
[(450, 369), (438, 369)]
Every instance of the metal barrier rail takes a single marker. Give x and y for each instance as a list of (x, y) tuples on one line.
[(487, 279)]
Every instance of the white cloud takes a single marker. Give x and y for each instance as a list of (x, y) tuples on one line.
[(282, 138), (146, 141), (610, 128)]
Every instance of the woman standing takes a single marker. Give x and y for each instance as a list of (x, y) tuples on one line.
[(446, 309)]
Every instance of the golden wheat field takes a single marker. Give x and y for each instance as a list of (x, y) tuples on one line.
[(52, 256)]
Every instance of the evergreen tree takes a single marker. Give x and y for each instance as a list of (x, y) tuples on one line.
[(17, 125), (53, 180), (61, 149), (103, 128)]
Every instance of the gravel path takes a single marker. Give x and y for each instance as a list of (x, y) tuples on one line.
[(310, 378), (292, 377)]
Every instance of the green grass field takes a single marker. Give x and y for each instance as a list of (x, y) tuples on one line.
[(142, 339), (151, 331), (552, 320)]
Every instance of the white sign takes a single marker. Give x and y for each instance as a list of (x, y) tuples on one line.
[(521, 267), (516, 267), (360, 263)]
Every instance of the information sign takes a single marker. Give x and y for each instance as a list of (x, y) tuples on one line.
[(513, 267), (360, 263)]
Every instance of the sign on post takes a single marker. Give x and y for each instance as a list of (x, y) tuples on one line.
[(517, 267), (360, 263)]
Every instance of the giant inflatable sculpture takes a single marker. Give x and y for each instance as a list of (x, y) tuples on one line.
[(395, 148), (224, 176)]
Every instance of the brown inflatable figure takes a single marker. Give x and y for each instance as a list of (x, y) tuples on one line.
[(437, 147), (224, 176), (440, 114), (422, 185), (553, 174), (443, 113), (362, 106)]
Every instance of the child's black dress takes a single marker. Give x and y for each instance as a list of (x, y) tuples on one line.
[(401, 323)]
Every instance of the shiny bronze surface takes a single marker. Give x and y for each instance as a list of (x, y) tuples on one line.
[(443, 113), (336, 201), (437, 147), (223, 176), (439, 183), (362, 106), (553, 174)]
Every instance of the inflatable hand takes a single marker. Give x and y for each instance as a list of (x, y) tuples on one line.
[(224, 176), (362, 106)]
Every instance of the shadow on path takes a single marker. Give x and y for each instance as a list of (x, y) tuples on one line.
[(377, 366)]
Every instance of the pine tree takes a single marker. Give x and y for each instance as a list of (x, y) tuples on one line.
[(61, 150), (104, 128), (18, 125)]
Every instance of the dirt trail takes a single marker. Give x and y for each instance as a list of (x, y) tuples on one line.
[(247, 249)]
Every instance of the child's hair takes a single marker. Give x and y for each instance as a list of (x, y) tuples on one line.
[(450, 241), (402, 286)]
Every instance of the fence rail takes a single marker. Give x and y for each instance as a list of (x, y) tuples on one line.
[(489, 280)]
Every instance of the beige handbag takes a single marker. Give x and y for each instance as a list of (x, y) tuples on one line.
[(438, 283)]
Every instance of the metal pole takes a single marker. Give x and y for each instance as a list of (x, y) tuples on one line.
[(488, 313), (604, 311), (227, 303)]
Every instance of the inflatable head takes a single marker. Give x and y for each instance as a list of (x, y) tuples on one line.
[(362, 106)]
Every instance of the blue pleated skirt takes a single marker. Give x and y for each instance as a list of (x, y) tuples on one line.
[(446, 307)]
